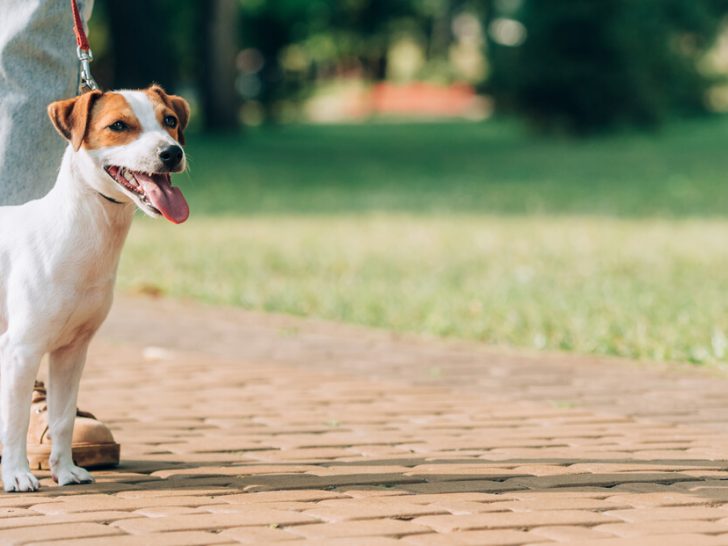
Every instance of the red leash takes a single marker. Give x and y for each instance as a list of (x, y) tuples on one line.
[(81, 39), (85, 56)]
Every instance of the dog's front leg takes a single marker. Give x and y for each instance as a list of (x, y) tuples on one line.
[(19, 367), (64, 376)]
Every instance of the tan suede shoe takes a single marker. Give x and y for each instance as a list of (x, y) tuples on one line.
[(93, 444)]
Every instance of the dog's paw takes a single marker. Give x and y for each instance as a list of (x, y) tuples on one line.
[(19, 481), (70, 474)]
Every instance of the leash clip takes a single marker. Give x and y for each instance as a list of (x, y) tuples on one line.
[(87, 80)]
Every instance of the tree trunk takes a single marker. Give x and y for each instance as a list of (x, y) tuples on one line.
[(440, 32), (218, 42), (141, 51)]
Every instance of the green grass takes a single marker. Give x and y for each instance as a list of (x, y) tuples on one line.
[(458, 168), (612, 246)]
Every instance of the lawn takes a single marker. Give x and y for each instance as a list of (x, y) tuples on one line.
[(612, 246)]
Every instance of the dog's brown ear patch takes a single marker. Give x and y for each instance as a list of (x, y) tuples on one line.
[(70, 117), (182, 109), (178, 105)]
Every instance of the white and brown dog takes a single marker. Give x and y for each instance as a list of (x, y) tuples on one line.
[(59, 255)]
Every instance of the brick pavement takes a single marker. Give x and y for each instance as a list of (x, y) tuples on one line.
[(241, 428)]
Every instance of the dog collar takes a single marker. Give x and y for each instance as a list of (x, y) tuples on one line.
[(111, 199)]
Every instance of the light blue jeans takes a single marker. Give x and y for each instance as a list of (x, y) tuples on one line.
[(38, 65)]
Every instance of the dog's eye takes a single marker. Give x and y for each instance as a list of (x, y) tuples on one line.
[(118, 126), (170, 121)]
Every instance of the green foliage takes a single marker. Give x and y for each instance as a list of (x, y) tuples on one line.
[(586, 65), (592, 65), (330, 37)]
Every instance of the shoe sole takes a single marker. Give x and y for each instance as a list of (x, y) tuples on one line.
[(85, 456)]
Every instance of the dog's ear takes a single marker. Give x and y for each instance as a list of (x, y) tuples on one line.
[(180, 106), (70, 117)]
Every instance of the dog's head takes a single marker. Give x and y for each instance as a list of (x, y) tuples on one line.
[(131, 142)]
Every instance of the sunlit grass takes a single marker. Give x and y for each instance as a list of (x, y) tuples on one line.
[(652, 288), (614, 246), (492, 168)]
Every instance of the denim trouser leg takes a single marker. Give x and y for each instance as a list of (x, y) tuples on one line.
[(37, 66)]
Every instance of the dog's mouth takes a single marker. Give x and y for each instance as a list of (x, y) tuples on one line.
[(154, 191)]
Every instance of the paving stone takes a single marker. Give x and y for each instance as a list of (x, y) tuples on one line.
[(351, 541), (232, 470), (650, 528), (16, 512), (64, 530), (216, 492), (91, 503), (188, 538), (469, 507), (256, 535), (257, 429), (243, 508), (21, 501), (459, 497), (373, 528), (42, 520), (354, 510), (366, 492), (473, 538), (572, 533), (558, 503), (211, 521), (686, 513), (644, 500), (562, 480), (165, 511), (513, 520), (278, 496), (461, 486), (691, 539)]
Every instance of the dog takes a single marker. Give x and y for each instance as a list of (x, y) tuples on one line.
[(59, 256)]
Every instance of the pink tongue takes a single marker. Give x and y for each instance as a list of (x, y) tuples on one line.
[(166, 198)]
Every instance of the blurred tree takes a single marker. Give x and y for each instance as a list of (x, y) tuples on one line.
[(325, 33), (301, 41), (140, 49), (171, 42), (268, 27), (585, 66), (368, 27), (217, 42)]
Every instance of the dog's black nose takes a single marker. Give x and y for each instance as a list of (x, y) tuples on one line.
[(171, 156)]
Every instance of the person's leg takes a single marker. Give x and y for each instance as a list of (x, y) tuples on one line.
[(38, 65)]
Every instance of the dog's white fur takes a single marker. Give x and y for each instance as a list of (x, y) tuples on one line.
[(58, 262)]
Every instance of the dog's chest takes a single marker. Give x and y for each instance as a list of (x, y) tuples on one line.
[(86, 298), (82, 315), (63, 291)]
